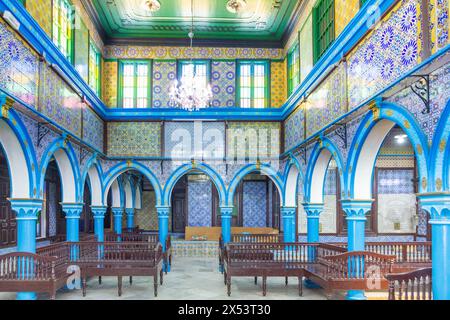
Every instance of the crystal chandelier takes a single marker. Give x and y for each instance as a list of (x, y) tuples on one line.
[(191, 92), (235, 6), (153, 5)]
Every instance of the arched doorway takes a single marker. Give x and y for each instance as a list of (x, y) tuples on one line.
[(8, 225)]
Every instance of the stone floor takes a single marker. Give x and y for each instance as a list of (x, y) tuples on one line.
[(190, 279)]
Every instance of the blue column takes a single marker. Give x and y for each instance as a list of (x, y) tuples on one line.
[(225, 215), (130, 218), (438, 206), (117, 214), (163, 223), (73, 214), (356, 221), (26, 216), (288, 217), (313, 211), (99, 222)]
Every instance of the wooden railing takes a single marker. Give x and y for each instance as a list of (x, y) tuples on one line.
[(414, 285), (358, 265), (26, 266), (404, 252)]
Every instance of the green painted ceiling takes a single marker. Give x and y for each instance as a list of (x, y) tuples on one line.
[(131, 19)]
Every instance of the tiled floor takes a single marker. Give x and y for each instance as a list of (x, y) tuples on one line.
[(190, 279)]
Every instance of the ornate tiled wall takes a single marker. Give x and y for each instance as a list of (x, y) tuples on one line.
[(41, 11), (439, 12), (93, 128), (52, 210), (164, 73), (278, 83), (147, 218), (327, 102), (266, 133), (223, 83), (200, 203), (294, 128), (344, 11), (19, 66), (171, 53), (255, 204), (58, 101), (184, 137), (110, 83), (134, 139), (393, 48)]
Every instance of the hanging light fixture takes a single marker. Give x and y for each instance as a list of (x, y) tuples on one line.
[(153, 5), (234, 6), (191, 93)]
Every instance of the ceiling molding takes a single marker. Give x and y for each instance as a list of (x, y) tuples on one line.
[(197, 42)]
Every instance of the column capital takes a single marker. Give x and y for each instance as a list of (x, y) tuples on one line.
[(117, 211), (226, 211), (437, 205), (129, 211), (26, 209), (356, 209), (163, 211), (288, 211), (313, 210), (99, 211), (72, 210)]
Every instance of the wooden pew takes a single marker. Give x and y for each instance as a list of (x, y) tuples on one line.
[(28, 272), (413, 285), (118, 259)]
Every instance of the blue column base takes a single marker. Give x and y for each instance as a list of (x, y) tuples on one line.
[(310, 285), (26, 296), (355, 295)]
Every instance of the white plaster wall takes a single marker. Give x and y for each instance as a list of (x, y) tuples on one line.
[(328, 216), (394, 208)]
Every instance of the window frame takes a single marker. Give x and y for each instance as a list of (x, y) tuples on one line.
[(98, 62), (294, 49), (195, 62), (135, 62), (318, 34), (70, 32), (253, 63)]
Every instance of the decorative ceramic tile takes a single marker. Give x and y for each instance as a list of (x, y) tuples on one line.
[(200, 203), (41, 11), (19, 66), (393, 48), (223, 83), (93, 128), (134, 139), (344, 11), (164, 73), (327, 102), (255, 204), (294, 129), (395, 181), (278, 83), (439, 11), (110, 83), (145, 52), (147, 217)]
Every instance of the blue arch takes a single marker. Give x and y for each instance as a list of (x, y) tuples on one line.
[(440, 153), (122, 167), (184, 169), (403, 118), (92, 162), (325, 144), (263, 168), (60, 144), (293, 162), (16, 125)]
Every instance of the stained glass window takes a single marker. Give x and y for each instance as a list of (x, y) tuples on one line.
[(63, 18), (94, 67), (293, 68)]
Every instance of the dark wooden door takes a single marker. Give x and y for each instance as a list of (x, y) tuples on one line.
[(8, 224), (178, 213)]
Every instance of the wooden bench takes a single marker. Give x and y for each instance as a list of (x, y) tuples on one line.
[(266, 260), (118, 259), (143, 237), (247, 238), (28, 272), (357, 270), (413, 285)]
